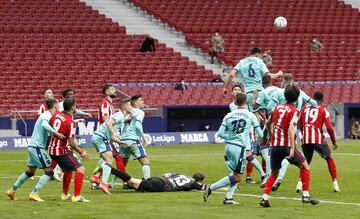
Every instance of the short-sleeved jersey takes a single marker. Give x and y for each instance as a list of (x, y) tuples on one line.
[(233, 106), (312, 119), (180, 182), (130, 131), (43, 108), (279, 98), (239, 124), (251, 70), (63, 123), (105, 109), (40, 134), (265, 96), (284, 115), (103, 130)]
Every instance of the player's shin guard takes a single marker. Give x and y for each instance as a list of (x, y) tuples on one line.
[(269, 184), (146, 171), (282, 171), (78, 181), (249, 169), (120, 165), (66, 182), (332, 168), (122, 175), (227, 180), (230, 191), (44, 179), (256, 164), (266, 157), (22, 178), (106, 173), (305, 179)]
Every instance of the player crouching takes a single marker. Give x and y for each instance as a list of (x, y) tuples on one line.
[(282, 126)]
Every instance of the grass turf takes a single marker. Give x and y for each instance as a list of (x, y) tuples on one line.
[(187, 159)]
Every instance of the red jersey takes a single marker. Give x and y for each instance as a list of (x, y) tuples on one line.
[(105, 109), (312, 119), (43, 108), (63, 123), (284, 115)]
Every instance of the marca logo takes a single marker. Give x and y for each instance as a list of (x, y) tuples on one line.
[(3, 144), (86, 129), (21, 142), (194, 138), (163, 138)]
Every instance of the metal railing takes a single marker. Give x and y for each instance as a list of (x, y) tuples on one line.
[(14, 112)]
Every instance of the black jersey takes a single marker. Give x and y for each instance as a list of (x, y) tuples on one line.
[(180, 182)]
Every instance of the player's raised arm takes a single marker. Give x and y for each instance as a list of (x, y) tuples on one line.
[(276, 75), (229, 79), (81, 113)]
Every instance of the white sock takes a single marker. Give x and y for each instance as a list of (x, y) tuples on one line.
[(306, 193), (265, 196)]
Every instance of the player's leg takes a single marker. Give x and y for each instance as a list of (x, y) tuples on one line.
[(282, 172), (299, 160), (277, 154), (75, 165), (45, 161), (108, 158), (235, 162), (324, 152), (139, 153), (251, 158), (308, 150), (119, 160)]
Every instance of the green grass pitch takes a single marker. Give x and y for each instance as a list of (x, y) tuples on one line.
[(188, 159)]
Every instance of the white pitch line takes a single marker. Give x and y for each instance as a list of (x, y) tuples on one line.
[(294, 199)]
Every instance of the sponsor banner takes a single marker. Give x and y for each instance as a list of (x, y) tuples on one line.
[(154, 139)]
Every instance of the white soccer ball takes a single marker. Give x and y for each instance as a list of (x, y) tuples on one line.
[(280, 23)]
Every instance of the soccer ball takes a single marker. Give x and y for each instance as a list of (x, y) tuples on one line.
[(280, 23)]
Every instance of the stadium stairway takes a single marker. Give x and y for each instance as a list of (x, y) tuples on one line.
[(137, 21)]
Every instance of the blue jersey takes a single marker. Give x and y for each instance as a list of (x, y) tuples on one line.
[(251, 70), (265, 96), (279, 98), (103, 130), (237, 126), (134, 130), (41, 131)]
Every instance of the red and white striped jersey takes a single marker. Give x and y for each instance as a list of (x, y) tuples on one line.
[(284, 115), (63, 123), (105, 109), (312, 119), (43, 108)]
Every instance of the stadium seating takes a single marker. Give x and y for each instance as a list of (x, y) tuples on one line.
[(60, 44), (246, 24)]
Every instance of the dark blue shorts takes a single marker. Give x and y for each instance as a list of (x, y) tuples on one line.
[(68, 163), (278, 153), (322, 149)]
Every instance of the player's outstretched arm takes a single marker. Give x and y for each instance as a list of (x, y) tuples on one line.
[(276, 75), (75, 146), (45, 124), (229, 79)]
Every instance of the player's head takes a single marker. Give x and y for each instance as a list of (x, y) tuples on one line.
[(125, 104), (69, 105), (266, 80), (288, 79), (137, 101), (292, 93), (199, 177), (318, 96), (52, 103), (68, 93), (256, 52), (48, 93), (236, 89), (109, 90), (241, 99)]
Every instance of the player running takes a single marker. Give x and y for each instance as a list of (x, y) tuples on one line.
[(235, 129), (62, 151), (134, 137), (109, 130), (312, 120), (279, 98), (48, 94), (251, 69), (169, 182), (282, 127), (38, 158)]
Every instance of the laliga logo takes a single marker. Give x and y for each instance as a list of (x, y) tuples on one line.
[(81, 141), (3, 144), (148, 138)]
